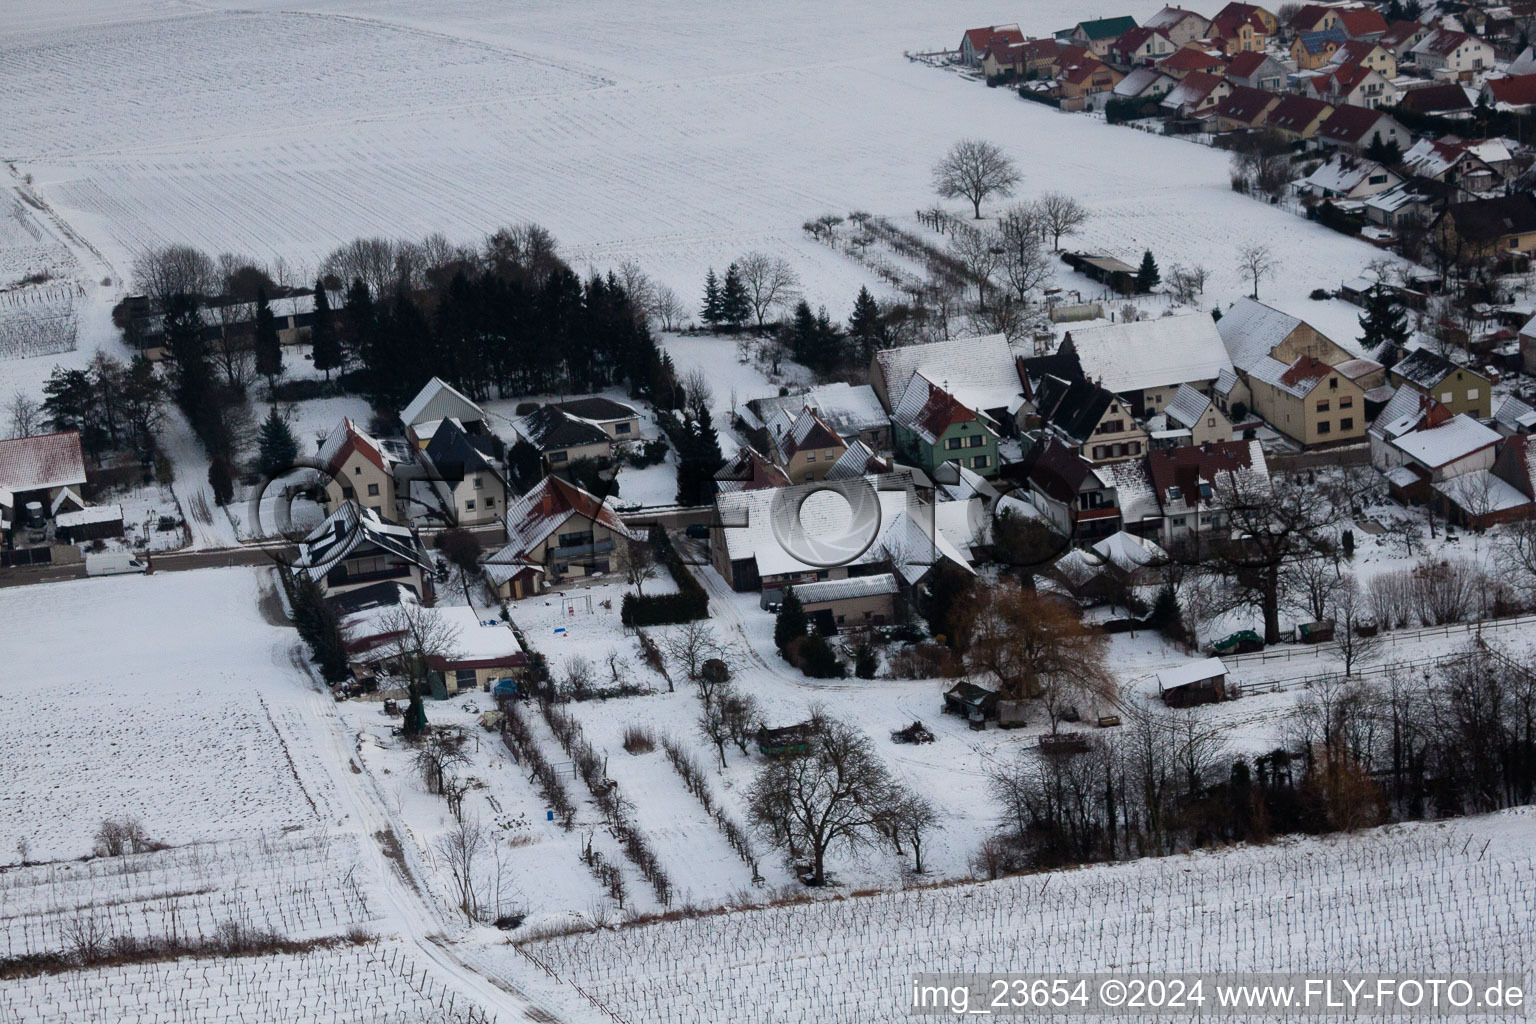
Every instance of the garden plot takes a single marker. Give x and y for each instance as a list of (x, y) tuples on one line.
[(1446, 897)]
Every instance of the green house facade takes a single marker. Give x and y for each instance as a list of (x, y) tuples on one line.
[(930, 427)]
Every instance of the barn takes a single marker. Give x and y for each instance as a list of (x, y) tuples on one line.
[(1199, 682)]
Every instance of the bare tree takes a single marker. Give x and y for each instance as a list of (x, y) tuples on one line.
[(697, 392), (1257, 263), (740, 714), (370, 260), (973, 170), (1350, 617), (440, 749), (980, 254), (175, 270), (1187, 282), (461, 848), (833, 796), (712, 725), (668, 308), (771, 283), (1061, 214), (1312, 583), (636, 561), (1025, 264), (417, 636), (638, 286), (25, 415), (910, 819), (692, 643)]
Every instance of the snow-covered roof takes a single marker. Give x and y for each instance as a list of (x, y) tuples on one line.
[(482, 635), (846, 590), (438, 399), (1128, 552), (1480, 492), (1187, 407), (1298, 378), (88, 515), (347, 437), (1078, 566), (1401, 414), (548, 505), (1342, 174), (848, 409), (1134, 493), (350, 526), (857, 460), (1402, 476), (980, 372), (1159, 352), (1454, 439), (1194, 672), (1140, 82), (43, 461), (1515, 416), (928, 410), (1250, 330)]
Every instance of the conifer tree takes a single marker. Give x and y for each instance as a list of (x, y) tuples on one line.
[(325, 344), (1148, 277), (415, 715), (735, 306), (1383, 326), (712, 312), (865, 327), (791, 623), (222, 480), (276, 447), (269, 349)]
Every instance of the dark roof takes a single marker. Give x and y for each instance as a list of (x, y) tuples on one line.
[(352, 528), (1296, 112), (1055, 469), (1435, 99), (1350, 124), (548, 428), (375, 595), (454, 455), (1073, 407), (1033, 369), (1186, 467), (1516, 90), (1245, 104), (1246, 63), (597, 409), (1487, 220), (1317, 42), (1106, 28), (1423, 367)]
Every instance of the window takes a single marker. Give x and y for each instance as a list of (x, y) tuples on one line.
[(1347, 423), (951, 443), (347, 493), (1210, 421), (490, 502), (1178, 520), (469, 505), (575, 540), (1447, 397), (1514, 243), (1333, 383), (1175, 493), (357, 470), (980, 462), (810, 456), (830, 455), (373, 490), (464, 678), (1134, 448), (1346, 401), (1325, 427), (557, 456), (621, 428), (1322, 406), (1377, 179), (478, 483), (1098, 451), (1471, 394)]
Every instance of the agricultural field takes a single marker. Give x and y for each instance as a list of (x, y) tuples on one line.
[(1449, 897)]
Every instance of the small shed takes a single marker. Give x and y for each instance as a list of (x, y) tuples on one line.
[(93, 522), (1107, 270), (792, 739), (1199, 682), (1315, 632), (968, 699)]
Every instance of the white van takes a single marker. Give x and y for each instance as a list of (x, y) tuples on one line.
[(112, 563)]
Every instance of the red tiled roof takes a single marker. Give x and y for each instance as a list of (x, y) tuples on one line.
[(1246, 104), (1444, 42), (1185, 467), (41, 461), (1361, 21), (1246, 63), (1354, 52), (1305, 368), (1516, 90), (1296, 112), (1398, 31), (981, 38), (941, 412), (1309, 17), (1349, 124), (1136, 37), (1191, 59)]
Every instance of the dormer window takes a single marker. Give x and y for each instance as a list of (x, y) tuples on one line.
[(1175, 493)]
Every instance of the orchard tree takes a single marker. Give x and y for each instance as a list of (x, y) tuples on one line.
[(770, 283), (1257, 263), (975, 169), (1061, 215)]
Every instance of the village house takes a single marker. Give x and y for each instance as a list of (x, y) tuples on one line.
[(748, 469), (1401, 37), (484, 652), (1445, 53), (356, 547), (1076, 497), (747, 551), (1307, 400), (554, 531), (1312, 50), (1432, 454), (1193, 60), (619, 421), (1099, 35), (1141, 46), (854, 412), (1527, 342), (834, 606), (976, 41), (1257, 70), (1240, 27), (1514, 416), (1314, 18), (1511, 94), (1179, 25), (981, 373), (1193, 418), (1078, 84), (1367, 53), (37, 475), (1244, 108), (1144, 84), (1460, 389), (463, 480), (437, 401), (1359, 128), (807, 447), (1443, 99), (1298, 117), (1451, 159), (1195, 94), (361, 468), (1185, 480), (1145, 361), (1354, 85), (561, 438), (1093, 420), (1361, 23), (861, 460), (931, 427), (1345, 176), (1497, 229)]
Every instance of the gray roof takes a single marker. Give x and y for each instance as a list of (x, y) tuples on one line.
[(846, 590)]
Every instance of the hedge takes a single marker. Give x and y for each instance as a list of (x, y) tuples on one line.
[(689, 603)]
